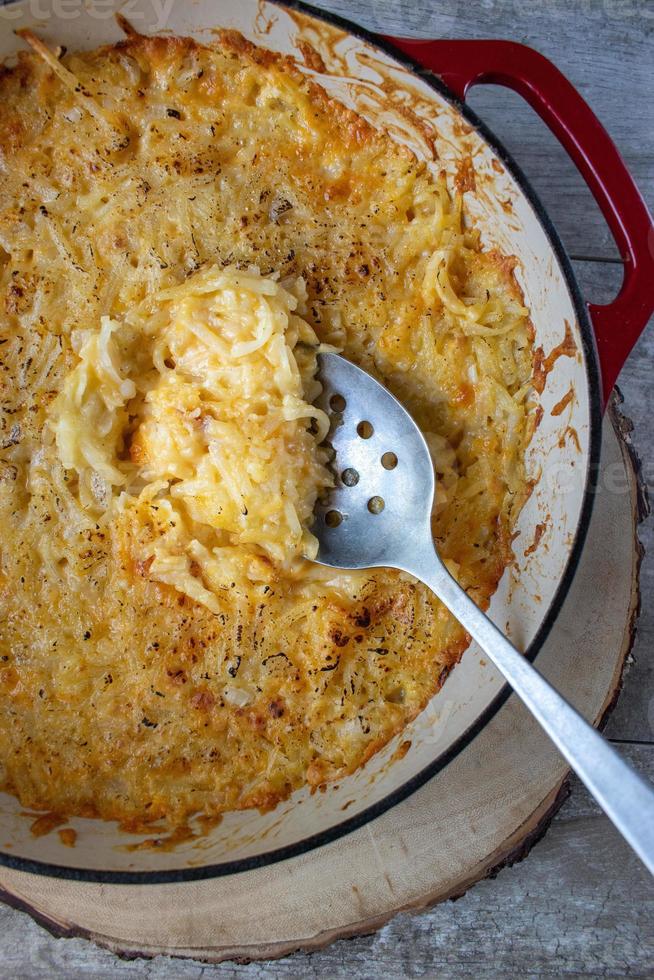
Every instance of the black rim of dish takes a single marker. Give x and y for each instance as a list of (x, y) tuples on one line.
[(595, 410)]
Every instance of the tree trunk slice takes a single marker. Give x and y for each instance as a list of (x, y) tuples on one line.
[(484, 811)]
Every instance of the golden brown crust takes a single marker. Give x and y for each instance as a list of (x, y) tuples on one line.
[(117, 706)]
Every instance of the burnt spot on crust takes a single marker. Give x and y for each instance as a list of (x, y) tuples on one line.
[(276, 708), (362, 618)]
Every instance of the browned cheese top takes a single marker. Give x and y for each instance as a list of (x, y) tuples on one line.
[(130, 694)]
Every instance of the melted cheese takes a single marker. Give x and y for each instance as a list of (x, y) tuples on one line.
[(196, 401), (161, 652)]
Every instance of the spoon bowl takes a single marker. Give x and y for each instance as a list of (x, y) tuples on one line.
[(381, 503)]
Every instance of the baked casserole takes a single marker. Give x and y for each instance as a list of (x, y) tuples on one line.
[(181, 227)]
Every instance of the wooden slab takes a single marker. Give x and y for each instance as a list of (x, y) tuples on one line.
[(485, 809)]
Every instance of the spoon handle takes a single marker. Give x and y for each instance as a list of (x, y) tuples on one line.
[(626, 798)]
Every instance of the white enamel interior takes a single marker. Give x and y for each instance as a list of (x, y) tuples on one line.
[(526, 591)]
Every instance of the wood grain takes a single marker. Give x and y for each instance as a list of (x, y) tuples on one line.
[(581, 905)]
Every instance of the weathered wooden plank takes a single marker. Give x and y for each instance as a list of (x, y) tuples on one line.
[(603, 46), (599, 281), (581, 804)]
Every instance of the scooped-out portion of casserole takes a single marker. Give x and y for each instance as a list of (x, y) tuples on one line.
[(182, 226)]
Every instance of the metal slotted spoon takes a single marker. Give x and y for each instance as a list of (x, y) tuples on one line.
[(378, 515)]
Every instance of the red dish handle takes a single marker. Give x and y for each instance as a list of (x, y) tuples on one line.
[(462, 64)]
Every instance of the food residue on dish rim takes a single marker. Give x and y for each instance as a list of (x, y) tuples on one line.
[(318, 46), (45, 823), (566, 400), (181, 835), (401, 750), (538, 534), (264, 21), (68, 836), (312, 59), (569, 433), (543, 364), (322, 37)]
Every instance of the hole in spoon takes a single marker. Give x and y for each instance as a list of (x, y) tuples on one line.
[(337, 403), (389, 461), (333, 518), (350, 477), (365, 429), (376, 505)]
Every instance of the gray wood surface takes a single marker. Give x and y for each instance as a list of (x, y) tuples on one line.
[(581, 905)]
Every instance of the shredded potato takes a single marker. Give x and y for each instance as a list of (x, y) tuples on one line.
[(180, 226), (205, 383)]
